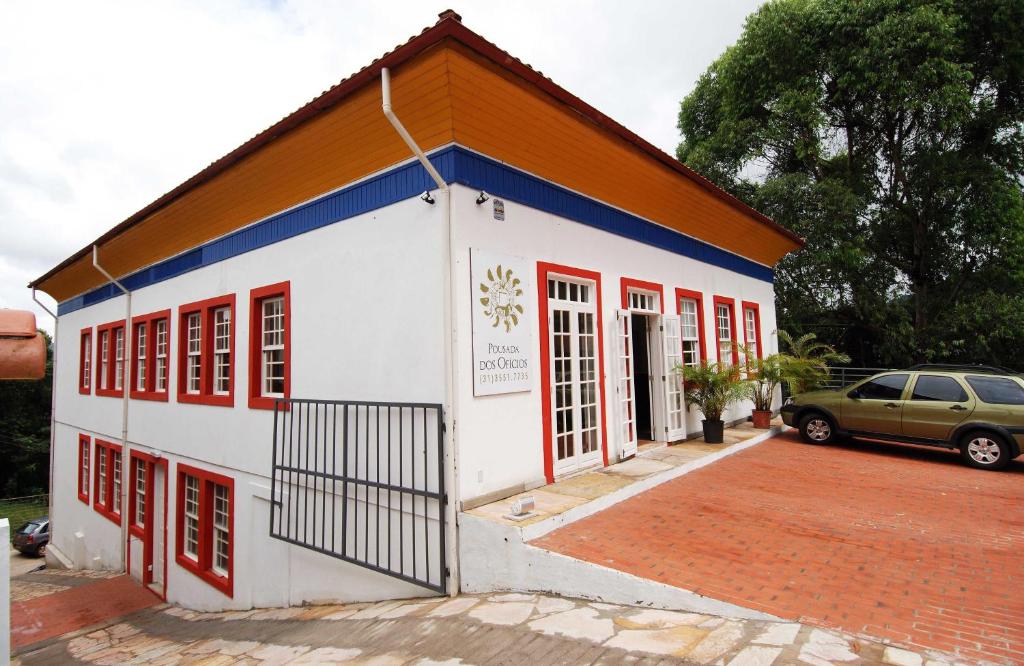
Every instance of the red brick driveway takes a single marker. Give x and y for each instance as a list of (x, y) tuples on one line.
[(899, 542)]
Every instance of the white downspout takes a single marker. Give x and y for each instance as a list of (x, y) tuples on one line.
[(126, 457), (449, 331), (53, 402)]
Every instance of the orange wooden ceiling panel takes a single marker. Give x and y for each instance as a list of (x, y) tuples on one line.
[(341, 145), (508, 119)]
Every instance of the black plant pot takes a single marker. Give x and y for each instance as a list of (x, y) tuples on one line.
[(713, 431)]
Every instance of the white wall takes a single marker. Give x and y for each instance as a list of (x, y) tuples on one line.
[(366, 324), (513, 453)]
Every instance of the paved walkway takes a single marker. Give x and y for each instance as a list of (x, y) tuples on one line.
[(901, 543), (49, 603), (496, 629)]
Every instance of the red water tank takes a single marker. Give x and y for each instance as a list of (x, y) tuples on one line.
[(22, 347)]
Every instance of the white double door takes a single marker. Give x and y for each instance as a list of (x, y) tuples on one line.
[(666, 395), (575, 390)]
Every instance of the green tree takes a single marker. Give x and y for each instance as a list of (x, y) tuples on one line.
[(889, 134), (25, 432)]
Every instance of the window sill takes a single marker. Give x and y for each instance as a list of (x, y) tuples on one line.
[(158, 396), (221, 583), (83, 498), (137, 531), (262, 402), (85, 390), (110, 393), (106, 513), (207, 399)]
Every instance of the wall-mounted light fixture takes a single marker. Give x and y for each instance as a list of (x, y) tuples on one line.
[(482, 198), (426, 197)]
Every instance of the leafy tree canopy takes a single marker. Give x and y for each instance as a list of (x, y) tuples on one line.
[(889, 134), (25, 432)]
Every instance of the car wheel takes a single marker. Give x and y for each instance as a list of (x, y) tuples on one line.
[(984, 450), (41, 551), (816, 428)]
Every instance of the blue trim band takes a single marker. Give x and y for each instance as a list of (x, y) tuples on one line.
[(456, 165)]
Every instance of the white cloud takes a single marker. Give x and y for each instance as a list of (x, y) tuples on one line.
[(104, 106)]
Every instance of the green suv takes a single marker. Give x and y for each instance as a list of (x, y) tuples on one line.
[(978, 410)]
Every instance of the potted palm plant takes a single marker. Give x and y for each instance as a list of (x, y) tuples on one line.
[(806, 361), (766, 376), (712, 387)]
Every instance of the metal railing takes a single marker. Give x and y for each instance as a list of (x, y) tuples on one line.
[(363, 482), (842, 376)]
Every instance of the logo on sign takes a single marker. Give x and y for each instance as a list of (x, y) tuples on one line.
[(500, 298)]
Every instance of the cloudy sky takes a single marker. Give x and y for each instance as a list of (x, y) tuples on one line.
[(106, 105)]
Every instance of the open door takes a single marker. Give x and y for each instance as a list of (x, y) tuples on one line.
[(624, 390), (672, 354)]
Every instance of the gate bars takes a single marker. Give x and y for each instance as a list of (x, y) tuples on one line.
[(363, 482)]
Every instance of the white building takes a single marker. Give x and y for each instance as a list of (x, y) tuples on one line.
[(330, 352)]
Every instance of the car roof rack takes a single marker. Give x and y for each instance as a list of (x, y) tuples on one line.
[(965, 367)]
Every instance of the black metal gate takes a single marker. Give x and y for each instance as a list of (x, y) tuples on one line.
[(363, 482)]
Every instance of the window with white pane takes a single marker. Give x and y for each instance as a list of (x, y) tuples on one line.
[(140, 357), (221, 529), (272, 348), (83, 468), (750, 332), (161, 355), (723, 318), (191, 522), (115, 463), (104, 359), (222, 351), (690, 332), (643, 301), (85, 381), (139, 509), (194, 354), (118, 358)]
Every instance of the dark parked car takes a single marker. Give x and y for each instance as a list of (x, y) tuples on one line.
[(32, 537)]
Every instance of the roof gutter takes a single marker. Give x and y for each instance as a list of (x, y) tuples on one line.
[(53, 396), (450, 351), (125, 449)]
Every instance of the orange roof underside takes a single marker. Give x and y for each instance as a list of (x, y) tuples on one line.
[(437, 94)]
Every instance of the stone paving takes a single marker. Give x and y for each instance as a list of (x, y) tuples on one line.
[(508, 628), (901, 543)]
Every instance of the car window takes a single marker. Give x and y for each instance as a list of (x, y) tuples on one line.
[(936, 387), (887, 387), (28, 528), (997, 390)]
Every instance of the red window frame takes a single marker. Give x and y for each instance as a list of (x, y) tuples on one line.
[(103, 498), (84, 446), (750, 305), (629, 283), (731, 303), (203, 568), (205, 308), (543, 268), (86, 334), (256, 297), (701, 331), (149, 321), (108, 390)]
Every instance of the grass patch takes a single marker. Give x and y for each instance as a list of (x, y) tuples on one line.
[(20, 510)]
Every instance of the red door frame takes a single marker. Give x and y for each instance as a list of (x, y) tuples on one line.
[(543, 268), (145, 533)]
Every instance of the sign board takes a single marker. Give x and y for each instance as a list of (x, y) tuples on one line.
[(503, 323)]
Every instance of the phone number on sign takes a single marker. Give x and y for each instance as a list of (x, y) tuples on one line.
[(503, 377)]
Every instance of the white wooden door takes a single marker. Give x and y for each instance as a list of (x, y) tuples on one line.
[(575, 377), (672, 355), (625, 392)]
